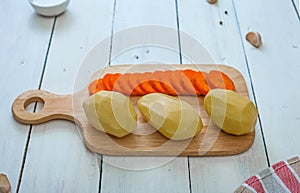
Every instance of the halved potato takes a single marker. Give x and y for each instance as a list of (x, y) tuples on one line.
[(230, 111), (172, 117), (111, 112)]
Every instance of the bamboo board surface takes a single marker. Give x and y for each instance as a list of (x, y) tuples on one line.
[(211, 141)]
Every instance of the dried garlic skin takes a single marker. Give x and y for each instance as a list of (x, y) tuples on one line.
[(254, 38)]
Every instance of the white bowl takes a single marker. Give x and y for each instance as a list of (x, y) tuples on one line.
[(49, 7)]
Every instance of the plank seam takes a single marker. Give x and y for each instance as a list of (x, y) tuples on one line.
[(100, 180), (24, 156), (251, 81), (109, 64), (47, 52), (35, 107), (296, 10), (112, 32), (178, 32), (189, 172)]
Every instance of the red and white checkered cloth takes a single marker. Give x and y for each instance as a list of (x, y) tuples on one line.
[(282, 177)]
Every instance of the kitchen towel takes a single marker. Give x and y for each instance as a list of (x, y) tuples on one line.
[(282, 177)]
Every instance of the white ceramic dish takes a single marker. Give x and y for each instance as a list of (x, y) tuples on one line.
[(49, 7)]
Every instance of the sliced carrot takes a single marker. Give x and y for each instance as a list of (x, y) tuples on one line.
[(146, 85), (156, 83), (166, 83), (189, 73), (121, 85), (217, 79), (96, 86), (177, 82), (138, 79), (113, 79), (200, 84), (93, 87), (107, 81), (186, 82), (131, 82)]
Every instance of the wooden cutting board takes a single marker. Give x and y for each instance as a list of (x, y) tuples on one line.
[(145, 140)]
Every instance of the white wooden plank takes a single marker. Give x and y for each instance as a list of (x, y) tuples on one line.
[(275, 70), (171, 177), (297, 5), (57, 159), (132, 35), (149, 174), (215, 27), (21, 63)]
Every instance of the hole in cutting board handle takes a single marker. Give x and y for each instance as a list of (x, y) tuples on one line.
[(34, 104)]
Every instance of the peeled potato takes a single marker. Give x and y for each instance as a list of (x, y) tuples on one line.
[(174, 118), (230, 111), (111, 112)]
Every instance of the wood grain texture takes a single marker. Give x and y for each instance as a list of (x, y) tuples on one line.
[(223, 41), (21, 70), (149, 174), (144, 140), (57, 159), (275, 71)]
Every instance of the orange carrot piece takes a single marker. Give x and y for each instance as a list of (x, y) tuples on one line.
[(189, 73), (200, 84), (186, 82), (156, 83), (138, 79), (131, 82), (146, 85), (113, 79), (96, 86), (217, 79), (93, 87), (166, 82), (177, 82), (122, 86), (106, 81)]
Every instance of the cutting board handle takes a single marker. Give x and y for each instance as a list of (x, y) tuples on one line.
[(54, 107)]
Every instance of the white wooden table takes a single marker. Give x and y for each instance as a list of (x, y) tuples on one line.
[(46, 53)]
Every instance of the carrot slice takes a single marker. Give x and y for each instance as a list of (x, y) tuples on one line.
[(166, 83), (200, 84), (96, 86), (106, 81), (217, 79), (189, 73), (156, 83), (113, 79), (121, 85), (92, 87), (177, 82), (138, 79), (146, 85), (186, 82), (130, 82)]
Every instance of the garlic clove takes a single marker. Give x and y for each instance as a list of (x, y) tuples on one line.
[(4, 184), (212, 1), (254, 38)]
